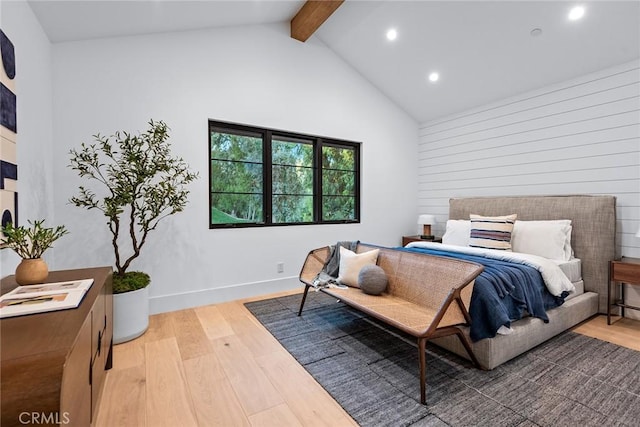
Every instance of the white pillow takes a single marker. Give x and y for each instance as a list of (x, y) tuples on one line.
[(351, 263), (549, 239), (457, 232)]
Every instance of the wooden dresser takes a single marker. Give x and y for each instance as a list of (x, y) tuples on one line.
[(53, 364)]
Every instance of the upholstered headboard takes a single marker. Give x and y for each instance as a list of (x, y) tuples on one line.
[(594, 227)]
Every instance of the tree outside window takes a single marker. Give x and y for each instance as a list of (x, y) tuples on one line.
[(237, 178), (260, 177)]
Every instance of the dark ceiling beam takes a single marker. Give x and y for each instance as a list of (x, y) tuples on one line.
[(311, 16)]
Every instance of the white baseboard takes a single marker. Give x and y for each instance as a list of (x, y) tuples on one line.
[(173, 302), (632, 314)]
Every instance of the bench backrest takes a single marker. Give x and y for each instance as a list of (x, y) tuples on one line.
[(428, 280), (313, 264)]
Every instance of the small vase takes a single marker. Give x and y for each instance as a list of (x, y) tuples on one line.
[(31, 271)]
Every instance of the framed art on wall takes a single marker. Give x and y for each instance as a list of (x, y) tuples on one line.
[(8, 133)]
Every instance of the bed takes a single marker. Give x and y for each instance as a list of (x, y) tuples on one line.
[(593, 223)]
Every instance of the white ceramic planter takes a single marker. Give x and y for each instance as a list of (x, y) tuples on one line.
[(130, 315)]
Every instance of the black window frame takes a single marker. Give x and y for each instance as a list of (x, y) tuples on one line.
[(318, 142)]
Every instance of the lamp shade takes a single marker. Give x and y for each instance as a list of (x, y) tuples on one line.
[(426, 219)]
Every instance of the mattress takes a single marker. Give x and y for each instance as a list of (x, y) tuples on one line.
[(572, 269), (579, 290)]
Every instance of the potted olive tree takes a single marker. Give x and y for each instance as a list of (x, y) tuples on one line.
[(139, 184), (30, 243)]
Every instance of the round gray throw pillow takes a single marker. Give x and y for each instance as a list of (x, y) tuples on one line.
[(372, 280)]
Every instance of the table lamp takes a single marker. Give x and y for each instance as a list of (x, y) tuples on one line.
[(427, 221)]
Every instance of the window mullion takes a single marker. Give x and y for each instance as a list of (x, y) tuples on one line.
[(356, 178), (268, 178), (317, 180)]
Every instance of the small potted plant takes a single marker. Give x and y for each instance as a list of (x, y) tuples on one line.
[(30, 243)]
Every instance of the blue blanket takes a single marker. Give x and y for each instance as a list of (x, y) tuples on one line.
[(502, 293)]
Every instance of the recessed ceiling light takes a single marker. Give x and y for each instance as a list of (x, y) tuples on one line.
[(433, 77), (392, 34), (536, 32), (576, 13)]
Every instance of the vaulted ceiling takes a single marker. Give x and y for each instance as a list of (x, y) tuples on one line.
[(483, 50)]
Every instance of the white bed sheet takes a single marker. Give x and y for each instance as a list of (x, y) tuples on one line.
[(572, 269), (579, 290)]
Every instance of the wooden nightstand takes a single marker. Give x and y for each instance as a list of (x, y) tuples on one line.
[(408, 239), (626, 270)]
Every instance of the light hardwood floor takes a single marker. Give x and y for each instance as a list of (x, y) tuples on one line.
[(217, 365)]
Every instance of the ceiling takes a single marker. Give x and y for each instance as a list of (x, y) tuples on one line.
[(89, 19), (483, 50)]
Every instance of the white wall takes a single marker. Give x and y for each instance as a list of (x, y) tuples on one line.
[(577, 137), (34, 120), (255, 75)]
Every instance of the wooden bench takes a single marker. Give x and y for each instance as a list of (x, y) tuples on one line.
[(426, 296)]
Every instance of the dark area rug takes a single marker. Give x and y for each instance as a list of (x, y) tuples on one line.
[(371, 370)]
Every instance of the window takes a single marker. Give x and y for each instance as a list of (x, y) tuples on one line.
[(291, 181), (263, 177)]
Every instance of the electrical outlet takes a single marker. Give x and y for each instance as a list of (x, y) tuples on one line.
[(280, 267)]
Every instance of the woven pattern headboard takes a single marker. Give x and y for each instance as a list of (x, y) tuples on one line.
[(594, 227)]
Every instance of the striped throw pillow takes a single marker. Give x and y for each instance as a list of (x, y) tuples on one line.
[(491, 232)]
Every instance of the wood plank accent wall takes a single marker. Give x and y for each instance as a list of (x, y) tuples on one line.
[(578, 137)]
